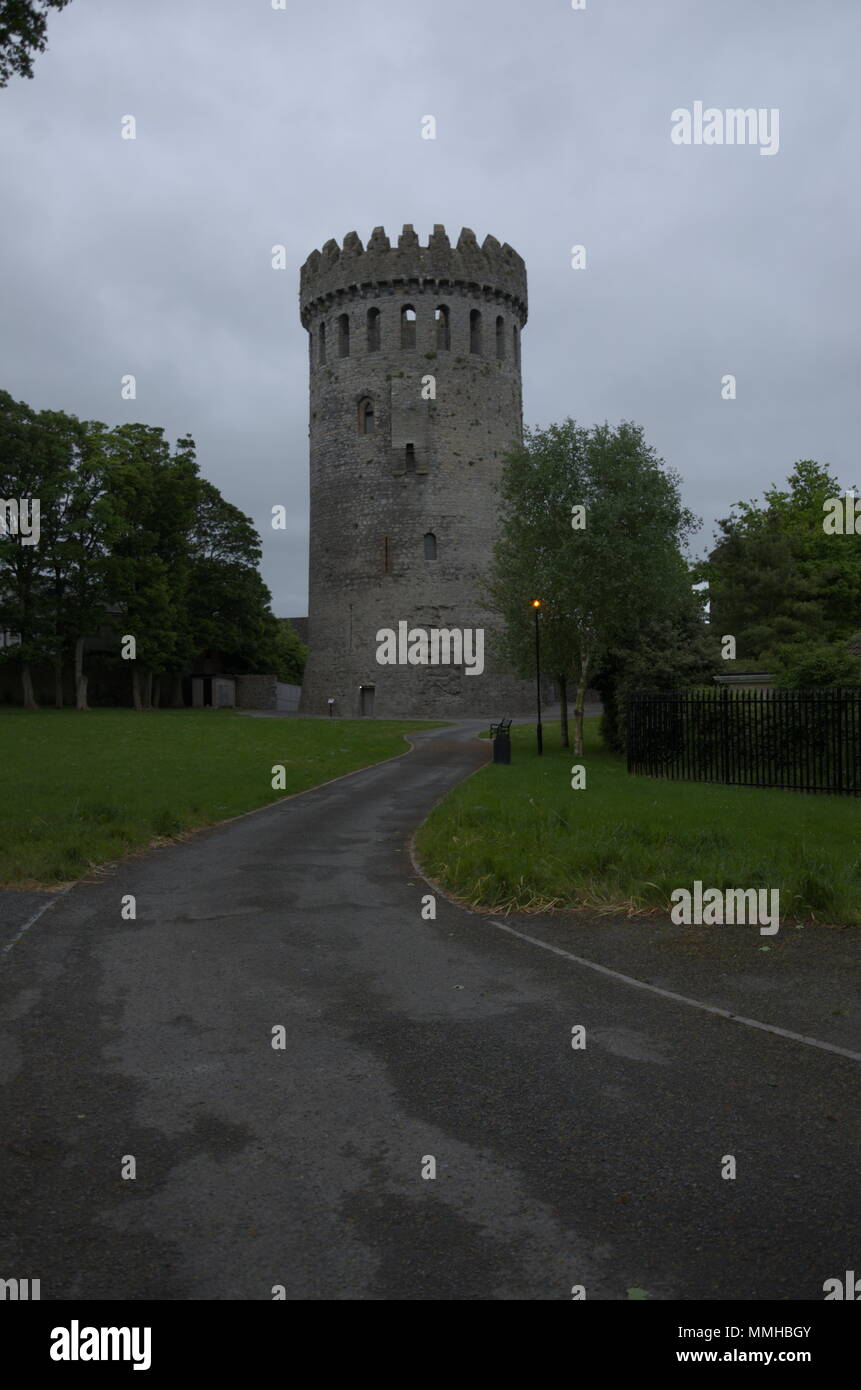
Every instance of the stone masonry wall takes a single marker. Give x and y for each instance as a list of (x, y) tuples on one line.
[(256, 692), (373, 500)]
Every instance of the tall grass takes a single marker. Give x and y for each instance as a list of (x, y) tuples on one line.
[(518, 838)]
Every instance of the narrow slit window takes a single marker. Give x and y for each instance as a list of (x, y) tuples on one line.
[(475, 331), (321, 343), (443, 328), (430, 546), (344, 335), (500, 337), (373, 330), (408, 326), (387, 555), (516, 342), (410, 458)]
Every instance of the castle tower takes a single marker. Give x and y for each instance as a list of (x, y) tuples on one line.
[(415, 399)]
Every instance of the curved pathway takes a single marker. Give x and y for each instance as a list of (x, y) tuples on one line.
[(405, 1040)]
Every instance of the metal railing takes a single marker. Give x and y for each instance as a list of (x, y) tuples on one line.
[(801, 740)]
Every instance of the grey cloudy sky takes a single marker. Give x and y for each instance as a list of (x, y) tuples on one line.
[(258, 126)]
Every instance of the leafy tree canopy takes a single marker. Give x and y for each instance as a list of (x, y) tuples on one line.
[(593, 526), (23, 32), (781, 584), (134, 540)]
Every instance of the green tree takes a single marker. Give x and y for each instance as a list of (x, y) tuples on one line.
[(229, 604), (598, 582), (666, 653), (802, 666), (147, 574), (779, 583), (23, 32), (36, 468), (75, 543), (226, 594), (291, 653), (130, 538)]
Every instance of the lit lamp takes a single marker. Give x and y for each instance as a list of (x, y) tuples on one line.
[(536, 604)]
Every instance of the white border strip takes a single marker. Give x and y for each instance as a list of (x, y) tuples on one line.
[(680, 998), (31, 921)]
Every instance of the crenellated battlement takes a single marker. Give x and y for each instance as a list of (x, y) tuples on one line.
[(339, 272)]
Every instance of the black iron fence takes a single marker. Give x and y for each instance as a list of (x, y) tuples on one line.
[(803, 740)]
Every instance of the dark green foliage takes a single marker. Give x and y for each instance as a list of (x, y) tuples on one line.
[(39, 454), (148, 566), (666, 654), (23, 32), (292, 653), (785, 589), (805, 667), (600, 585), (133, 543)]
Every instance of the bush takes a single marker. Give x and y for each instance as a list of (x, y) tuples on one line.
[(663, 656), (815, 667)]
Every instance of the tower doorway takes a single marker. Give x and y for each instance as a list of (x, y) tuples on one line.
[(366, 699)]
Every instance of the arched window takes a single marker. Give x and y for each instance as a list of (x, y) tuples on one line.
[(443, 327), (410, 458), (430, 546), (500, 337), (475, 331), (408, 326), (373, 330), (343, 335), (366, 415), (321, 343)]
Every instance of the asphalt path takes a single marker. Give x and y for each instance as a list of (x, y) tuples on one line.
[(407, 1040)]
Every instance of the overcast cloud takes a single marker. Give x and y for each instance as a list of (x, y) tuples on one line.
[(258, 126)]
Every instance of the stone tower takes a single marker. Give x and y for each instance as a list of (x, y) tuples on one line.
[(415, 399)]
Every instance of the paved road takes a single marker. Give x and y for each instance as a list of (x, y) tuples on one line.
[(408, 1039)]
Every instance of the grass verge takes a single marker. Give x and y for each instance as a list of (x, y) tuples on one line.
[(518, 838), (77, 790)]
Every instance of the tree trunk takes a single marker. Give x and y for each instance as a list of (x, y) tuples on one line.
[(27, 687), (579, 701), (136, 687), (58, 682), (176, 699), (563, 711), (147, 690), (80, 678), (156, 692)]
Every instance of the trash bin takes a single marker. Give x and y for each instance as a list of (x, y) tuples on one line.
[(501, 741)]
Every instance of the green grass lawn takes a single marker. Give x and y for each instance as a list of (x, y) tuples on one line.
[(77, 790), (519, 838)]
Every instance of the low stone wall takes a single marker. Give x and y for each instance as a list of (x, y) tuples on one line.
[(257, 692)]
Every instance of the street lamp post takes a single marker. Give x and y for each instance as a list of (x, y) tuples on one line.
[(539, 737)]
